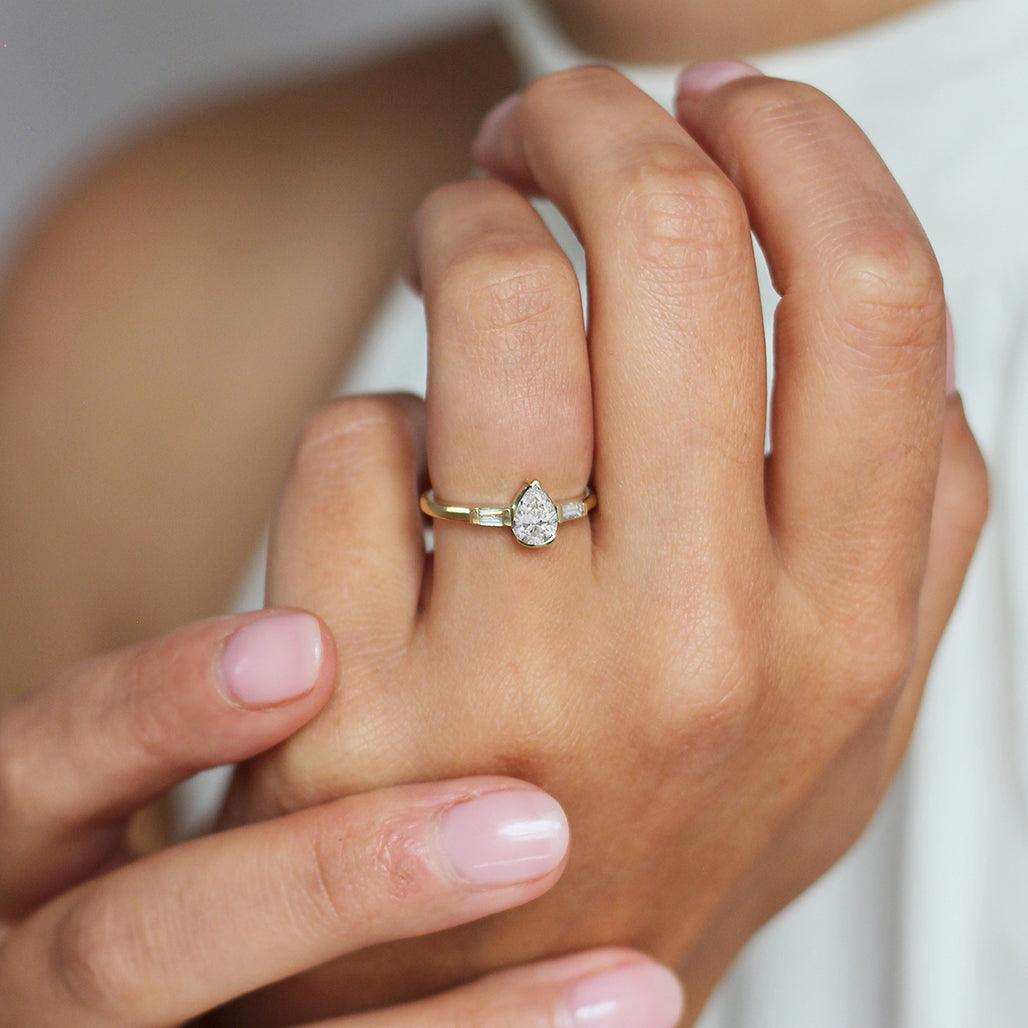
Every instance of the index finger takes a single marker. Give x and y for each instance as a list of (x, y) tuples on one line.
[(78, 755), (174, 935)]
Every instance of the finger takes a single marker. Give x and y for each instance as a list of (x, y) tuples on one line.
[(79, 755), (960, 509), (860, 336), (675, 324), (176, 934), (509, 396), (347, 540), (603, 987), (347, 532)]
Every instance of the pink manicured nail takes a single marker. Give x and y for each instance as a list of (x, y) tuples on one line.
[(951, 356), (631, 996), (491, 130), (701, 79), (503, 838), (273, 660)]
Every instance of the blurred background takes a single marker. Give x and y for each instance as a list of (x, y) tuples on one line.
[(73, 75)]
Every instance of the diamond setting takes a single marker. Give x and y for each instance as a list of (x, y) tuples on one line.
[(489, 517), (534, 517)]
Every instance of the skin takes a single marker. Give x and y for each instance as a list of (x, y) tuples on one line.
[(657, 31), (89, 936), (112, 552), (245, 247), (721, 748), (246, 276)]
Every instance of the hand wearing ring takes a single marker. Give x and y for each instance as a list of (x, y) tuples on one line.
[(718, 671)]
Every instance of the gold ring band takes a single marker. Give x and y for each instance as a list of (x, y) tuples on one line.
[(532, 516)]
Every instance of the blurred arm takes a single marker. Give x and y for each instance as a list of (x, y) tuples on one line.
[(170, 323)]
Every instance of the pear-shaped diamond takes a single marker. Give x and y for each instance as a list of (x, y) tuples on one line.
[(534, 517)]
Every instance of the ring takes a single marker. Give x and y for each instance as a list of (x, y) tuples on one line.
[(532, 516)]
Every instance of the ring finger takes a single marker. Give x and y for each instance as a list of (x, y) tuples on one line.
[(509, 396)]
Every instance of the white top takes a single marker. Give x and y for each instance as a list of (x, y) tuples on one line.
[(925, 924)]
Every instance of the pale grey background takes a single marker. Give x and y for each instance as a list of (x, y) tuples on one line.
[(75, 73)]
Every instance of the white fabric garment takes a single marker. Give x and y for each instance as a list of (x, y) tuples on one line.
[(925, 924)]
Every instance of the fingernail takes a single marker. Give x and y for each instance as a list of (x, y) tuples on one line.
[(493, 125), (503, 838), (951, 356), (700, 79), (631, 996), (273, 660)]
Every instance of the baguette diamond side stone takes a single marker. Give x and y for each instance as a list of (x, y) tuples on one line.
[(489, 518)]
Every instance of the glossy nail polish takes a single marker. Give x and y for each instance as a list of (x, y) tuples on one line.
[(641, 995), (272, 660), (699, 79), (503, 838)]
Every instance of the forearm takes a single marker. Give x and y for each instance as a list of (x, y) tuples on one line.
[(169, 325)]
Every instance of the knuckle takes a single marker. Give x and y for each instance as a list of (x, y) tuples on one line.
[(518, 304), (155, 728), (711, 684), (888, 296), (358, 872), (443, 201), (721, 698), (98, 957), (463, 203), (332, 890), (707, 721), (768, 105), (685, 223), (873, 659), (27, 794), (509, 288), (564, 86)]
